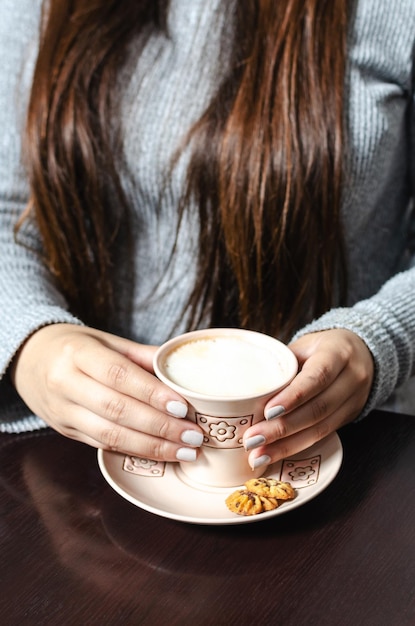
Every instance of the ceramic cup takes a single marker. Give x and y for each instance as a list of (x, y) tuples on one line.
[(226, 375)]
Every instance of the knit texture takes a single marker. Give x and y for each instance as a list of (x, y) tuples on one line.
[(162, 93)]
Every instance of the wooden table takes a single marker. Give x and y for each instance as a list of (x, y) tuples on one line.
[(74, 552)]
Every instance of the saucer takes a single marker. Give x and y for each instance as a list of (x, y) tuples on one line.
[(162, 489)]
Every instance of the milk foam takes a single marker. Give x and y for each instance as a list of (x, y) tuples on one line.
[(224, 366)]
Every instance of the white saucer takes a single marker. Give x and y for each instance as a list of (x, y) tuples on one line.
[(161, 488)]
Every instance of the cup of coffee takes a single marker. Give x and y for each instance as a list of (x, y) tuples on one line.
[(226, 375)]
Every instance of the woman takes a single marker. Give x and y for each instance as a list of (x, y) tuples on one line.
[(187, 164)]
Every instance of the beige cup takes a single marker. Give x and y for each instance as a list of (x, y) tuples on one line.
[(226, 375)]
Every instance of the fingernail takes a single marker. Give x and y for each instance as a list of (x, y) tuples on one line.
[(176, 408), (273, 412), (254, 442), (261, 460), (192, 437), (186, 454)]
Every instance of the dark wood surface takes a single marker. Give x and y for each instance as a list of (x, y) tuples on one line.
[(74, 552)]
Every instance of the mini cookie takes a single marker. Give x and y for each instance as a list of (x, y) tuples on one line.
[(259, 495), (244, 502), (270, 487)]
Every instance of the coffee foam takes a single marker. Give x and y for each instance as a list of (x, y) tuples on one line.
[(224, 366)]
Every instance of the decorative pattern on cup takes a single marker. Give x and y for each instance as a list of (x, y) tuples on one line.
[(223, 432)]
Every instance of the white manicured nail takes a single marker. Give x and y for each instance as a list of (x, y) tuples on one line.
[(186, 454), (192, 437), (273, 412), (261, 460), (254, 442), (176, 408)]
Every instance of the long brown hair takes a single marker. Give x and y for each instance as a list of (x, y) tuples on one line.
[(266, 169)]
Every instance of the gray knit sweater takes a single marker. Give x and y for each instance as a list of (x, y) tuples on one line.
[(170, 86)]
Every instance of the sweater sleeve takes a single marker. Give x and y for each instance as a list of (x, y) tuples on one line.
[(29, 298), (386, 323)]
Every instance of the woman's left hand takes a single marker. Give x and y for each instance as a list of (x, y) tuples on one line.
[(330, 390)]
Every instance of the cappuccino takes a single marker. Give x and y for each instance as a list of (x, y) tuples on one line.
[(226, 375), (225, 366)]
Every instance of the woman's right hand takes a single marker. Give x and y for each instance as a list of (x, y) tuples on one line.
[(101, 389)]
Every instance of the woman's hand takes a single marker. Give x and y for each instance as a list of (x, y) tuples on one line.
[(100, 389), (330, 390)]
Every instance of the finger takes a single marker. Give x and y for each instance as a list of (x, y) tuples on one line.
[(89, 428), (141, 354), (303, 439), (313, 412), (317, 374), (320, 406), (119, 373), (130, 413)]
